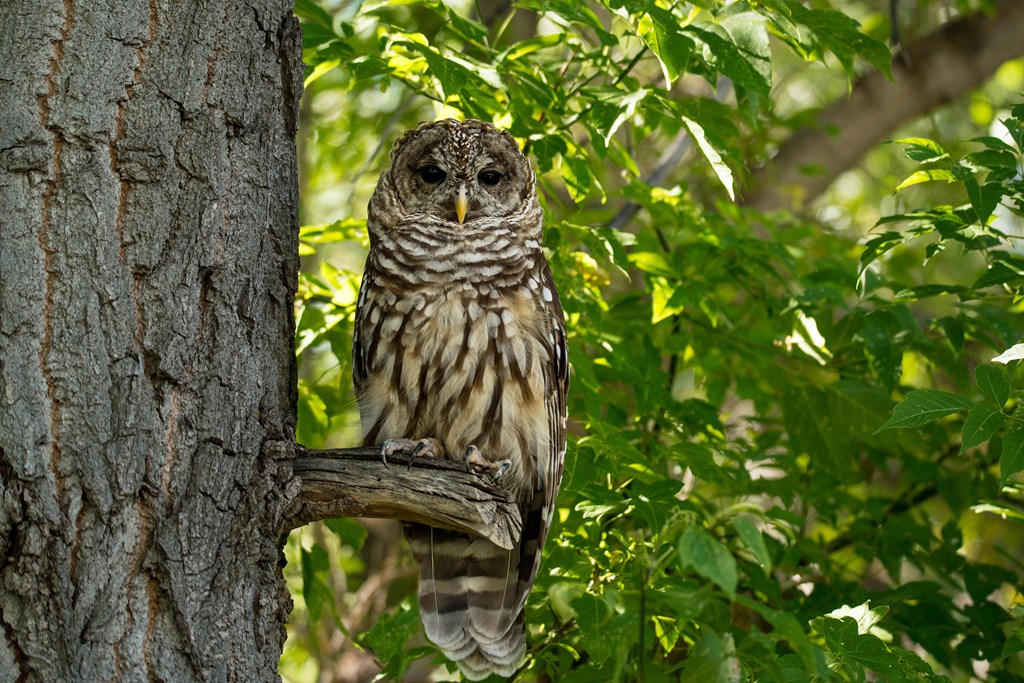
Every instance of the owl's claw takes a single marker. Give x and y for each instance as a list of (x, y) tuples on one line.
[(497, 469), (473, 457), (428, 447), (502, 466)]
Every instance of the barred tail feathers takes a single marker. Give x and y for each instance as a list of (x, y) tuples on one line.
[(470, 600)]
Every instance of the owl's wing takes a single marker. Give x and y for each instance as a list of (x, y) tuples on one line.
[(359, 350), (538, 511)]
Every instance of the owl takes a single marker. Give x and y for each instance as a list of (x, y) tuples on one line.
[(460, 353)]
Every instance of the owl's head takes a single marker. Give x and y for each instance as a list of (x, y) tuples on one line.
[(459, 172)]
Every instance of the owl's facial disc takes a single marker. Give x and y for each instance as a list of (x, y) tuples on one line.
[(461, 171)]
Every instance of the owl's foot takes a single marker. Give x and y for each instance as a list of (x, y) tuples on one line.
[(497, 469), (430, 448)]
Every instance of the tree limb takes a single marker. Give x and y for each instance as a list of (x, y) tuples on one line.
[(354, 482), (937, 69)]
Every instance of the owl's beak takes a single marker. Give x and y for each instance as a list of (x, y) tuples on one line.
[(461, 204)]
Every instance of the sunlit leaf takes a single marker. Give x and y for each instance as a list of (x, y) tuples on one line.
[(720, 168), (661, 31), (745, 68), (923, 150), (1015, 352), (925, 176)]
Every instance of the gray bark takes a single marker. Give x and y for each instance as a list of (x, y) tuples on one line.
[(148, 255)]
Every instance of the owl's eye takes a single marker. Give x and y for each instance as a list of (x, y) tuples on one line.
[(491, 178), (431, 174)]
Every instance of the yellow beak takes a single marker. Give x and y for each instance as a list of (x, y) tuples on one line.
[(461, 204)]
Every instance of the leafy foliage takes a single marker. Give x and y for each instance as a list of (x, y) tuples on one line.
[(794, 449)]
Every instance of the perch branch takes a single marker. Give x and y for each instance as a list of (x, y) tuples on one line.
[(354, 482)]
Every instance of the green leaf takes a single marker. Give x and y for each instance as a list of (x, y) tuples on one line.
[(668, 298), (1011, 461), (709, 558), (746, 70), (577, 176), (1002, 165), (467, 28), (926, 176), (1013, 644), (653, 262), (984, 198), (845, 640), (699, 459), (923, 150), (867, 618), (924, 406), (612, 109), (992, 382), (998, 273), (713, 660), (348, 530), (311, 11), (994, 143), (655, 502), (749, 32), (602, 630), (838, 32), (312, 416), (879, 245), (720, 168), (670, 46), (390, 636), (981, 424), (316, 592), (752, 538), (451, 75)]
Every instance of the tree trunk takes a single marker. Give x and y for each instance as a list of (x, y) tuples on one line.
[(148, 255)]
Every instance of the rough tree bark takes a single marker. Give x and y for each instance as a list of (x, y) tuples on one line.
[(148, 255), (957, 58)]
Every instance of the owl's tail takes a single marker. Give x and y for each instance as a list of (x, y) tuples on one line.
[(470, 600)]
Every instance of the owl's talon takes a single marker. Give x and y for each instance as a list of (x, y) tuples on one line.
[(392, 446), (497, 469), (502, 466), (473, 457), (426, 447)]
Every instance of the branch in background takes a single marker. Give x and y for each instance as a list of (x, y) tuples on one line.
[(669, 159), (354, 482), (945, 65)]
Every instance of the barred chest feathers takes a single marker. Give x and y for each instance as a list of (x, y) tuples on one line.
[(476, 315)]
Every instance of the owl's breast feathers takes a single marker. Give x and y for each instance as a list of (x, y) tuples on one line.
[(463, 342)]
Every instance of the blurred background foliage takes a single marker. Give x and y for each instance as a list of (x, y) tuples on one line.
[(741, 500)]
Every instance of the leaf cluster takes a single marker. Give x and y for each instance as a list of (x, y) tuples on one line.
[(794, 452)]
